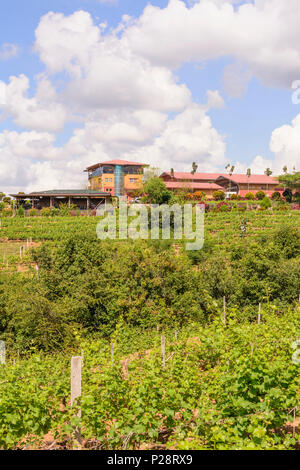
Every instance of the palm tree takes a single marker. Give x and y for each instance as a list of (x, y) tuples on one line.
[(230, 168), (268, 172), (248, 174), (194, 168)]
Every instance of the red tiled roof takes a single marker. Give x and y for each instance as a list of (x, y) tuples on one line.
[(237, 178), (253, 179), (195, 176), (187, 185)]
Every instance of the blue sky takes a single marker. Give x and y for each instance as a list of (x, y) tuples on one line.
[(240, 128)]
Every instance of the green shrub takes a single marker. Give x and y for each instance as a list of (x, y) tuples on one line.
[(276, 196), (266, 203), (260, 195), (219, 195), (21, 211), (7, 212), (45, 212), (249, 196), (33, 213)]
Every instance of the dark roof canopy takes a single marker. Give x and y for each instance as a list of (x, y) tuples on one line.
[(62, 193)]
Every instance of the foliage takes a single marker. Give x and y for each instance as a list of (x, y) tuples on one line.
[(266, 203), (222, 388), (290, 181), (219, 195), (21, 212), (7, 212), (276, 196), (157, 191), (33, 212), (249, 196), (260, 195)]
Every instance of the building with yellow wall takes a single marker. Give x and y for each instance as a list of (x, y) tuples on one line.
[(117, 177)]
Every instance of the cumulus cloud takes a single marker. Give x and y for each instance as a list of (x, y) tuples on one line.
[(104, 71), (142, 135), (42, 112), (188, 137), (263, 35), (285, 145)]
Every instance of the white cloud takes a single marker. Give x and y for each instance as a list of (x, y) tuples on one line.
[(42, 112), (188, 137), (263, 35), (8, 50), (104, 71), (122, 85), (285, 145)]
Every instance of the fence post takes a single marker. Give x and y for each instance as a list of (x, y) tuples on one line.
[(163, 351), (112, 350), (224, 310), (2, 353), (76, 365), (259, 314)]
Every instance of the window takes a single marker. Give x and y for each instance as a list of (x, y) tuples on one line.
[(133, 180)]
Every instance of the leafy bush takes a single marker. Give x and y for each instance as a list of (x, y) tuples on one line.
[(223, 207), (260, 195), (46, 212), (249, 196), (21, 212), (276, 196), (288, 240), (33, 213), (7, 212), (266, 203), (219, 195), (199, 195), (65, 209)]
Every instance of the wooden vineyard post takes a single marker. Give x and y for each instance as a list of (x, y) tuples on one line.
[(2, 353), (112, 350), (224, 311), (76, 366), (259, 314), (163, 352)]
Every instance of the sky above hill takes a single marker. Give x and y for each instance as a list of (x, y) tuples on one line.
[(161, 82)]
